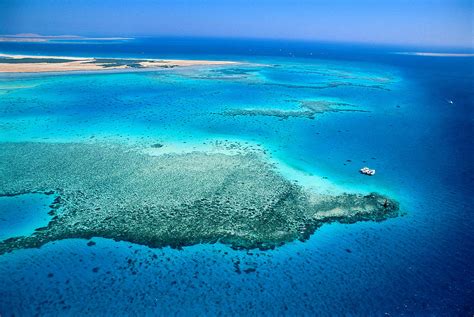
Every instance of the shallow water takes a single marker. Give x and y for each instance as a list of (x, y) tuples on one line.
[(419, 144)]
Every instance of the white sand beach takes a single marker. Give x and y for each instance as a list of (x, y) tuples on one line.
[(67, 63)]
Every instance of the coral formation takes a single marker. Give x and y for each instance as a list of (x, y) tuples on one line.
[(308, 109), (122, 193)]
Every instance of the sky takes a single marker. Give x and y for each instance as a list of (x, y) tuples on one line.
[(412, 22)]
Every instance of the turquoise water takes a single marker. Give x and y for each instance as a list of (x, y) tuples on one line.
[(20, 215), (420, 145)]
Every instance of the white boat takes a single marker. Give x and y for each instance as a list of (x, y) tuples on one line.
[(367, 171)]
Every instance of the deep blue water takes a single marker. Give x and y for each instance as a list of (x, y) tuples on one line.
[(421, 146)]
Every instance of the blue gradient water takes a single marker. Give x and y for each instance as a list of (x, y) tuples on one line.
[(20, 215), (421, 146)]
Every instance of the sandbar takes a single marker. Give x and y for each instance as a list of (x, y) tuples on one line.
[(39, 64), (434, 54)]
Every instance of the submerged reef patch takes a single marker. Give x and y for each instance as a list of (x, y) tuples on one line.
[(308, 109), (122, 193), (328, 85)]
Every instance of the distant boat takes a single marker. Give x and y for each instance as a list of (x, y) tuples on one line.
[(367, 171), (449, 101)]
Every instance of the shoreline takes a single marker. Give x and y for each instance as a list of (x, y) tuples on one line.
[(10, 63)]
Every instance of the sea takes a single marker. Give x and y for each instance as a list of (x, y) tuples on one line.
[(413, 125)]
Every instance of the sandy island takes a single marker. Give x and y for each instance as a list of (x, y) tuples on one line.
[(40, 64), (433, 54)]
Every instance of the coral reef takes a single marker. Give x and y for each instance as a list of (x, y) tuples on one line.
[(122, 193), (308, 109)]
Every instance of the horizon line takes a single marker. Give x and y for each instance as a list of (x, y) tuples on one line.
[(34, 37)]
